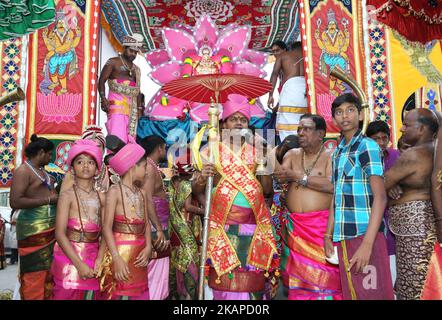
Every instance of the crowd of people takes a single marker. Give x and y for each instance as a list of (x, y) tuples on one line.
[(361, 221), (357, 222)]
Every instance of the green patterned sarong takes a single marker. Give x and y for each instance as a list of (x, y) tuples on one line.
[(185, 230), (36, 230)]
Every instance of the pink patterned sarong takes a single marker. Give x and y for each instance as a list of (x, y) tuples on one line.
[(129, 245), (158, 269), (68, 284), (304, 269), (120, 109), (117, 125)]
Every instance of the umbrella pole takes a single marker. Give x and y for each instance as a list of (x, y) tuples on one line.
[(213, 137)]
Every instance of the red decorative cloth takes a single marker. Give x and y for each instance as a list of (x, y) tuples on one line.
[(407, 16)]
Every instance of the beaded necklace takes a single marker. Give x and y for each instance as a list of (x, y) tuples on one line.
[(46, 181), (152, 163), (81, 206)]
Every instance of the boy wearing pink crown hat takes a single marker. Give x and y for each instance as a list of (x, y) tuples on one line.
[(126, 228), (124, 98), (78, 253), (241, 247), (101, 180)]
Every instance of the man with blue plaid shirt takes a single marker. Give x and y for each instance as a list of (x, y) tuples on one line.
[(355, 221)]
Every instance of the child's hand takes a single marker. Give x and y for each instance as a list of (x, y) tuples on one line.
[(143, 258), (97, 265), (160, 244), (361, 258), (328, 247), (85, 272), (122, 272)]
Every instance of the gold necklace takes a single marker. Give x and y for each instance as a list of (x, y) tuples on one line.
[(134, 199), (125, 66), (84, 190), (81, 207), (308, 171), (94, 203)]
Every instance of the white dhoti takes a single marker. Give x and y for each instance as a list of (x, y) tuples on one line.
[(292, 105)]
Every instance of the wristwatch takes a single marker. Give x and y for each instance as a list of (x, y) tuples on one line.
[(303, 182)]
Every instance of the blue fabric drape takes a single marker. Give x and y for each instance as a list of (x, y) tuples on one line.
[(170, 130), (184, 131)]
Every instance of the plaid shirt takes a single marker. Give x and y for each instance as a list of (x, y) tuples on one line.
[(353, 164)]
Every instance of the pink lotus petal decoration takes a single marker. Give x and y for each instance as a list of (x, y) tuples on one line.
[(166, 72), (255, 57), (157, 57), (178, 43), (205, 31), (184, 42), (157, 111), (59, 109), (234, 42), (245, 67)]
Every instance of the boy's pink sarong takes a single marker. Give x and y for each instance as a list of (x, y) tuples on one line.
[(158, 274), (130, 240), (117, 125), (304, 269), (158, 269), (68, 284), (129, 246), (375, 282)]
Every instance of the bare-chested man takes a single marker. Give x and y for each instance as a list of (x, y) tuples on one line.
[(292, 99), (436, 182), (308, 170), (278, 47), (32, 192), (411, 215), (158, 208), (124, 98)]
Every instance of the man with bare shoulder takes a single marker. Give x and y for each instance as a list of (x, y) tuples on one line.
[(124, 98), (308, 169), (158, 209), (32, 192), (292, 99), (436, 181), (412, 218)]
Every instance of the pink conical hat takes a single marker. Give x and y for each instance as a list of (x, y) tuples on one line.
[(236, 103), (126, 158), (88, 147)]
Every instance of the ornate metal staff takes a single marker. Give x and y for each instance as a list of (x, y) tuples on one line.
[(213, 138)]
